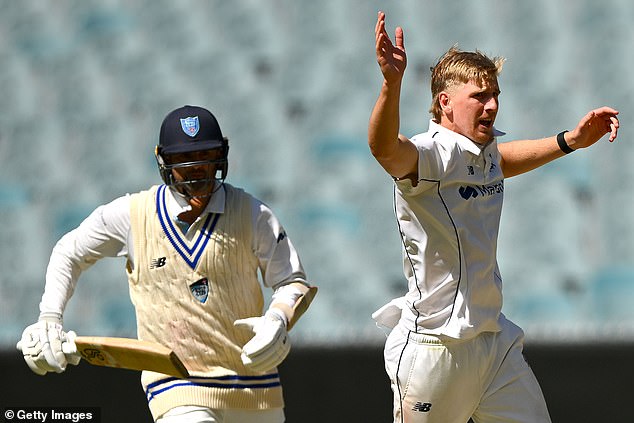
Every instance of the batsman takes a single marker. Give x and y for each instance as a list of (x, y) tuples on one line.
[(198, 252)]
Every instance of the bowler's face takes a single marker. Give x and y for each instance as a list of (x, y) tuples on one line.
[(473, 109)]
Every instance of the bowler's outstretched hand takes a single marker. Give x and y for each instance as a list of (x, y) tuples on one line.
[(593, 126), (392, 58)]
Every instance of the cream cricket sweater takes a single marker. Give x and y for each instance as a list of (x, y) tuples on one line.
[(188, 292)]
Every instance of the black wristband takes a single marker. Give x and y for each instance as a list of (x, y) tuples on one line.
[(562, 143)]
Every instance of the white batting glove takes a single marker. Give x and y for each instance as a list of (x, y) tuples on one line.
[(43, 344), (270, 345)]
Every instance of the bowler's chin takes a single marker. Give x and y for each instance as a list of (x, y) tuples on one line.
[(484, 136)]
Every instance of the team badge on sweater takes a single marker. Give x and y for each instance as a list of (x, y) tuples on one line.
[(200, 289)]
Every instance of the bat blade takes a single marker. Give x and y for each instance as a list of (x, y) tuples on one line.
[(128, 353)]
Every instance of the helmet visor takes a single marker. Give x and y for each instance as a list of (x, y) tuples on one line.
[(196, 174)]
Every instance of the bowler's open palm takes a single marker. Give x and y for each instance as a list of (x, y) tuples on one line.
[(391, 58)]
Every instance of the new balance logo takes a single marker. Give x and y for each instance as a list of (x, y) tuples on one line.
[(422, 407), (159, 262)]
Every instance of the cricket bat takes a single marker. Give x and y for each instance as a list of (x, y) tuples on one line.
[(128, 353)]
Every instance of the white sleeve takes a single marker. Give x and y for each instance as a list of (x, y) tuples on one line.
[(278, 260), (105, 233), (430, 163)]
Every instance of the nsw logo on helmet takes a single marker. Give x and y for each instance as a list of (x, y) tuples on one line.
[(190, 125)]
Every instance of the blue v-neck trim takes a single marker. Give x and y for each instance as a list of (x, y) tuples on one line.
[(191, 255)]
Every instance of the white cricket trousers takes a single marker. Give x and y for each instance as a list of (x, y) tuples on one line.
[(446, 380), (192, 414)]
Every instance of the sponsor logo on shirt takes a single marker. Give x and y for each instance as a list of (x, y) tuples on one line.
[(158, 262), (474, 191), (422, 407)]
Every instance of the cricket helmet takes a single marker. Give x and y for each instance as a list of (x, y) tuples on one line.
[(191, 129)]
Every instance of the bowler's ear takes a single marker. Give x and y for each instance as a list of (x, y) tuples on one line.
[(445, 102)]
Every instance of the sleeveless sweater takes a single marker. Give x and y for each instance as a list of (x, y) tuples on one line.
[(187, 292)]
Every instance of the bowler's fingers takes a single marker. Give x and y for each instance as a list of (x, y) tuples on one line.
[(379, 21), (379, 29), (609, 117), (384, 49), (614, 128), (605, 110), (399, 38), (604, 118), (382, 39)]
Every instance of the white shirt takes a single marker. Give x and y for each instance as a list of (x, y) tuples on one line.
[(449, 223), (107, 233)]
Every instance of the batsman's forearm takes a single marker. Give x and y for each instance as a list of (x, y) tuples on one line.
[(62, 274), (293, 310)]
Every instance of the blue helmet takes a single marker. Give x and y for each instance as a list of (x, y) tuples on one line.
[(191, 129)]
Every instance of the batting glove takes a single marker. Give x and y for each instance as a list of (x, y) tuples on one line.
[(43, 344), (270, 345)]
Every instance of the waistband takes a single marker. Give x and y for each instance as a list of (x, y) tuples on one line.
[(430, 339)]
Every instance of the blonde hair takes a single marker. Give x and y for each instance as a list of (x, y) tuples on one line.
[(460, 67)]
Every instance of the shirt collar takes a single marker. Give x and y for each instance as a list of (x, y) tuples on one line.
[(177, 203), (463, 141)]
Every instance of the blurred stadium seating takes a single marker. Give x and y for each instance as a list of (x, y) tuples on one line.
[(85, 85)]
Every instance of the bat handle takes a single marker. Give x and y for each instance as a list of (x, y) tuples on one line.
[(68, 343), (69, 347)]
